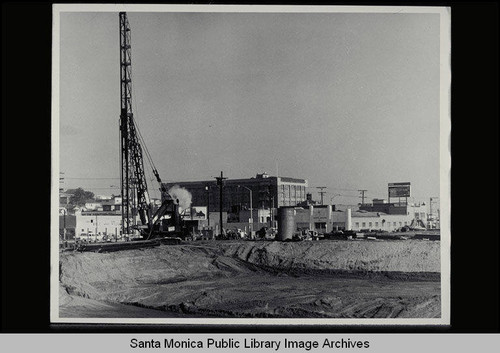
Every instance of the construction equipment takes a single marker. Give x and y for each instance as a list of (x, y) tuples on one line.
[(165, 222)]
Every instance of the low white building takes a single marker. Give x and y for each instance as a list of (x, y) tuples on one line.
[(93, 206), (363, 220), (324, 219), (98, 223)]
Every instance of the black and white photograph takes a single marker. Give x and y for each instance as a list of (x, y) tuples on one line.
[(284, 165)]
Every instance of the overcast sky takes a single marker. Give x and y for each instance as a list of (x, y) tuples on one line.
[(347, 101)]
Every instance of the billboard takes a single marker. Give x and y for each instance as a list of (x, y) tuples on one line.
[(399, 189), (195, 213)]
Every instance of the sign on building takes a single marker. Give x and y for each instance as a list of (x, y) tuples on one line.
[(399, 189)]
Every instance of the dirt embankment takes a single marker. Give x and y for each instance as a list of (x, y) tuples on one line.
[(263, 279), (364, 256)]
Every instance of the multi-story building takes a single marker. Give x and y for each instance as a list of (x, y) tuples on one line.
[(266, 192)]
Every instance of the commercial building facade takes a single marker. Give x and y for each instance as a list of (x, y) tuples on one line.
[(106, 223), (266, 192), (416, 211), (324, 219), (362, 220)]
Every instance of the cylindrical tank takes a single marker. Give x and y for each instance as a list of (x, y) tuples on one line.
[(311, 217), (286, 223), (348, 221), (329, 221)]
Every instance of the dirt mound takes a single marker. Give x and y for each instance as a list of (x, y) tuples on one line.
[(96, 274), (261, 279), (76, 306), (367, 256)]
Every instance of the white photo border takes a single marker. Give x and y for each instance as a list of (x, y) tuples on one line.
[(445, 159)]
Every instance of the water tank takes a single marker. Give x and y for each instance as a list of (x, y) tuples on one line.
[(348, 220), (286, 223)]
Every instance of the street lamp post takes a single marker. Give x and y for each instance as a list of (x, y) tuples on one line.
[(413, 208), (207, 188), (250, 221)]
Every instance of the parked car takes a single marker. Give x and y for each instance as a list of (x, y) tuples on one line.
[(261, 233), (82, 237)]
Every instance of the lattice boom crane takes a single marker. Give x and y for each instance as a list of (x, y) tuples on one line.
[(134, 190)]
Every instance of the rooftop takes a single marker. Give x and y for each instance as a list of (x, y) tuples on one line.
[(362, 213)]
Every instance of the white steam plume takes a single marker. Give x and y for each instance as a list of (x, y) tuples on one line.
[(181, 194)]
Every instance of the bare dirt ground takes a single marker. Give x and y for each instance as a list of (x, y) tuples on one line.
[(332, 279)]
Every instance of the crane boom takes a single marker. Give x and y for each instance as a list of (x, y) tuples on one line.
[(132, 166), (134, 189)]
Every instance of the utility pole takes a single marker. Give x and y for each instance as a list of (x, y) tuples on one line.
[(272, 211), (321, 192), (362, 196), (64, 229), (220, 183), (250, 221), (429, 216)]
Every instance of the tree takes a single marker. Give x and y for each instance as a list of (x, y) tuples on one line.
[(80, 196)]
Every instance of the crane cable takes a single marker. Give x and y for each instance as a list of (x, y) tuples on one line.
[(134, 104), (146, 152)]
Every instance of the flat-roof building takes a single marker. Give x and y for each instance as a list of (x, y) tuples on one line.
[(267, 192), (324, 218)]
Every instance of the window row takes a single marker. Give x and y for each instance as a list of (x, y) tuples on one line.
[(376, 224)]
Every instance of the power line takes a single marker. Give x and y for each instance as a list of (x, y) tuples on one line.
[(344, 189), (108, 188), (334, 188), (350, 196), (92, 178)]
